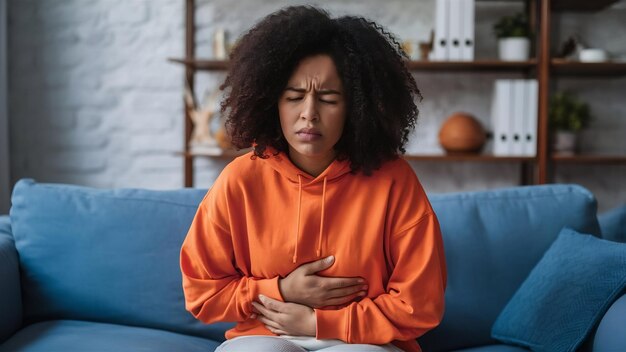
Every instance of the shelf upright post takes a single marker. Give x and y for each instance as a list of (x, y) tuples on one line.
[(190, 43), (543, 68)]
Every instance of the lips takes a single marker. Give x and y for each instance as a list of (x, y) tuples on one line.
[(309, 131), (309, 134)]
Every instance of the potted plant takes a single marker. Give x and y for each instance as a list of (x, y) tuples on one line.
[(568, 116), (513, 37)]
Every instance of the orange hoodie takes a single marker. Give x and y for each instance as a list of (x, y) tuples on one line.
[(263, 218)]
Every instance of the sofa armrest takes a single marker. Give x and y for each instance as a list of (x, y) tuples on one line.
[(611, 332), (10, 299)]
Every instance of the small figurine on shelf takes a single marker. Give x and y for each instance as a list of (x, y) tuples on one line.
[(203, 140), (418, 50), (573, 49), (427, 47)]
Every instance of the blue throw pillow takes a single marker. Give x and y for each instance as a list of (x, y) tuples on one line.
[(565, 295)]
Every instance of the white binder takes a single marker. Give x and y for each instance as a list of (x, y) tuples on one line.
[(467, 32), (500, 117), (530, 140), (518, 117), (454, 30), (440, 50)]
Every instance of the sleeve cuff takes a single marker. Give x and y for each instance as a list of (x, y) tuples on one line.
[(266, 287), (332, 324)]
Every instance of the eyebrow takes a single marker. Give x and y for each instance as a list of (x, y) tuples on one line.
[(321, 92)]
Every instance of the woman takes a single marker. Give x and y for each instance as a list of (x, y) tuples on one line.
[(321, 238)]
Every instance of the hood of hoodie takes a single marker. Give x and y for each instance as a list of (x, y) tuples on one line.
[(283, 165)]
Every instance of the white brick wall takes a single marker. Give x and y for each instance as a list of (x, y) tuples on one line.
[(94, 101)]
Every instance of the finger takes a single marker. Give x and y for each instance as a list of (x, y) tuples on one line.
[(276, 331), (264, 311), (318, 265), (268, 322), (339, 282), (272, 304), (345, 291), (343, 300)]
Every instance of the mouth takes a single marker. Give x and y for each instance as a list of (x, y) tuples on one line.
[(309, 131), (308, 135)]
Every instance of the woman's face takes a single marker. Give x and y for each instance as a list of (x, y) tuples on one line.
[(312, 110)]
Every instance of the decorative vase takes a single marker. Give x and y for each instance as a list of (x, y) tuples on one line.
[(514, 49), (565, 142), (462, 133)]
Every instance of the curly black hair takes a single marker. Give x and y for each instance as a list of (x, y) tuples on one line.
[(379, 89)]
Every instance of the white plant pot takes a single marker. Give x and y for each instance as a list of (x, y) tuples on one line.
[(565, 142), (514, 49)]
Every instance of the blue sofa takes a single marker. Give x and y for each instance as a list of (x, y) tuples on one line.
[(84, 269)]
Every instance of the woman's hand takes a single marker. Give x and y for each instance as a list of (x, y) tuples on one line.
[(285, 318), (303, 286)]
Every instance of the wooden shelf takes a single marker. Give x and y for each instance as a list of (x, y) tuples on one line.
[(574, 5), (473, 66), (223, 154), (469, 66), (589, 159), (469, 157), (203, 65), (575, 68), (581, 5)]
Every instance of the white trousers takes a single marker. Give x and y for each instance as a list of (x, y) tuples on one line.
[(297, 344)]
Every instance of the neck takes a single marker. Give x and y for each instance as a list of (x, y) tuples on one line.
[(313, 166)]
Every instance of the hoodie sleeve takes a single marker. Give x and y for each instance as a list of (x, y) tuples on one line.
[(414, 299), (214, 288)]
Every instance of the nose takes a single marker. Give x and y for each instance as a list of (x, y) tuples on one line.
[(309, 109)]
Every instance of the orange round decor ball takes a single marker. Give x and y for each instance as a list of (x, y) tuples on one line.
[(462, 133)]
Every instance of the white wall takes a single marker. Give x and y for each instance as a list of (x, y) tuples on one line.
[(94, 101), (4, 121)]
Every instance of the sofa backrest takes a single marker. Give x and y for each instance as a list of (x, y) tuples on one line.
[(492, 240), (105, 255)]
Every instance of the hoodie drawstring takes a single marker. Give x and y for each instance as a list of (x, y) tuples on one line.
[(319, 239), (295, 250)]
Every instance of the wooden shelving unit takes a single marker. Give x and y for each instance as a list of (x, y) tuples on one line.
[(535, 170)]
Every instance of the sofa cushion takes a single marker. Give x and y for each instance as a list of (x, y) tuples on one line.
[(105, 255), (70, 335), (565, 295), (613, 224), (492, 240)]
